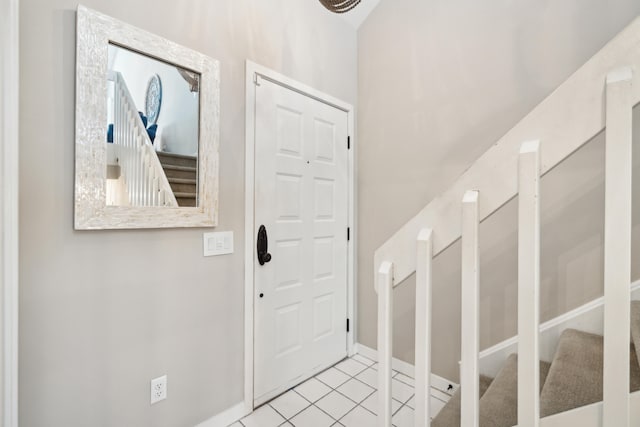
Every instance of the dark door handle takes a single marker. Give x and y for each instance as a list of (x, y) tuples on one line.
[(263, 246)]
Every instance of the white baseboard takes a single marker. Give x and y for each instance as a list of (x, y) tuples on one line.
[(437, 382), (227, 417)]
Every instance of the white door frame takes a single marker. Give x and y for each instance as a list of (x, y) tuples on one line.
[(9, 125), (253, 69)]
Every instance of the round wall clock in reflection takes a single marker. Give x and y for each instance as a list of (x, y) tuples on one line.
[(153, 99)]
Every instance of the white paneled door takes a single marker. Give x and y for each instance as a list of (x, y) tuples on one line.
[(301, 211)]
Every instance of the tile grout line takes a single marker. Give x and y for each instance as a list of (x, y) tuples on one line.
[(332, 389)]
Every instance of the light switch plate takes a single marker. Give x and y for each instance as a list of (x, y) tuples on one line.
[(219, 243)]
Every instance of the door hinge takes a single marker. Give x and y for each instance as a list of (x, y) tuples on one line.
[(348, 325), (348, 233), (348, 143), (255, 79)]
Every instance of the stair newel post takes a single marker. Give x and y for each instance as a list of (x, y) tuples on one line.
[(149, 180), (155, 190), (138, 164), (127, 144), (470, 348), (529, 285), (134, 171), (384, 284), (131, 153), (150, 175), (423, 328), (143, 176), (617, 247), (146, 180)]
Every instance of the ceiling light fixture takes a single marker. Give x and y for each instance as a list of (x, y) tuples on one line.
[(339, 6)]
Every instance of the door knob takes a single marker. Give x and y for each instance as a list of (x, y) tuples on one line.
[(263, 246)]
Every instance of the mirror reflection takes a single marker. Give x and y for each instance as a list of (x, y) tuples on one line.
[(151, 131)]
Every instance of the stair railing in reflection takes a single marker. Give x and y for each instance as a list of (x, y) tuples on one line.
[(140, 167)]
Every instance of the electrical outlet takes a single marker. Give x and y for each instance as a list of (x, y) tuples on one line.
[(158, 389)]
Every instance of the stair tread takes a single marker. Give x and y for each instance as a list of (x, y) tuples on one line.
[(449, 416), (179, 156), (635, 326), (575, 376), (183, 181), (179, 168), (185, 195), (499, 405)]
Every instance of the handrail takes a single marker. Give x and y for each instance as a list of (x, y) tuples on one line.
[(576, 111), (144, 178)]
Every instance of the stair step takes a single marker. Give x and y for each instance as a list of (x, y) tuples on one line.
[(185, 195), (186, 202), (575, 376), (180, 172), (499, 405), (635, 326), (183, 186), (449, 416), (183, 181), (186, 199), (180, 168), (177, 159)]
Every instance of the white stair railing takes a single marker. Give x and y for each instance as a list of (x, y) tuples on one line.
[(423, 328), (621, 96), (145, 180), (384, 286), (470, 348), (570, 117), (529, 285), (617, 248)]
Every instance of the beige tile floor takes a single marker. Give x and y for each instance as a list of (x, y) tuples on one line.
[(343, 395)]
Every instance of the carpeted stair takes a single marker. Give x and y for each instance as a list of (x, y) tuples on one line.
[(635, 325), (572, 380), (498, 398), (182, 173), (575, 376), (450, 414)]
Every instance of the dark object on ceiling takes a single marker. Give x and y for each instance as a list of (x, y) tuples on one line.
[(339, 6)]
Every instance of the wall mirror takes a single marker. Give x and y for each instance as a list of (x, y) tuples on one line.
[(147, 129)]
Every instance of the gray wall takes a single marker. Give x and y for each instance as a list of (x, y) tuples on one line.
[(441, 81), (102, 313)]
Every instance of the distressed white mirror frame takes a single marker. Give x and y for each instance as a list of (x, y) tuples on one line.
[(94, 33)]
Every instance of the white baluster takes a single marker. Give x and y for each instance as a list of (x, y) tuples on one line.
[(617, 248), (385, 342), (423, 329), (469, 370), (529, 285)]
